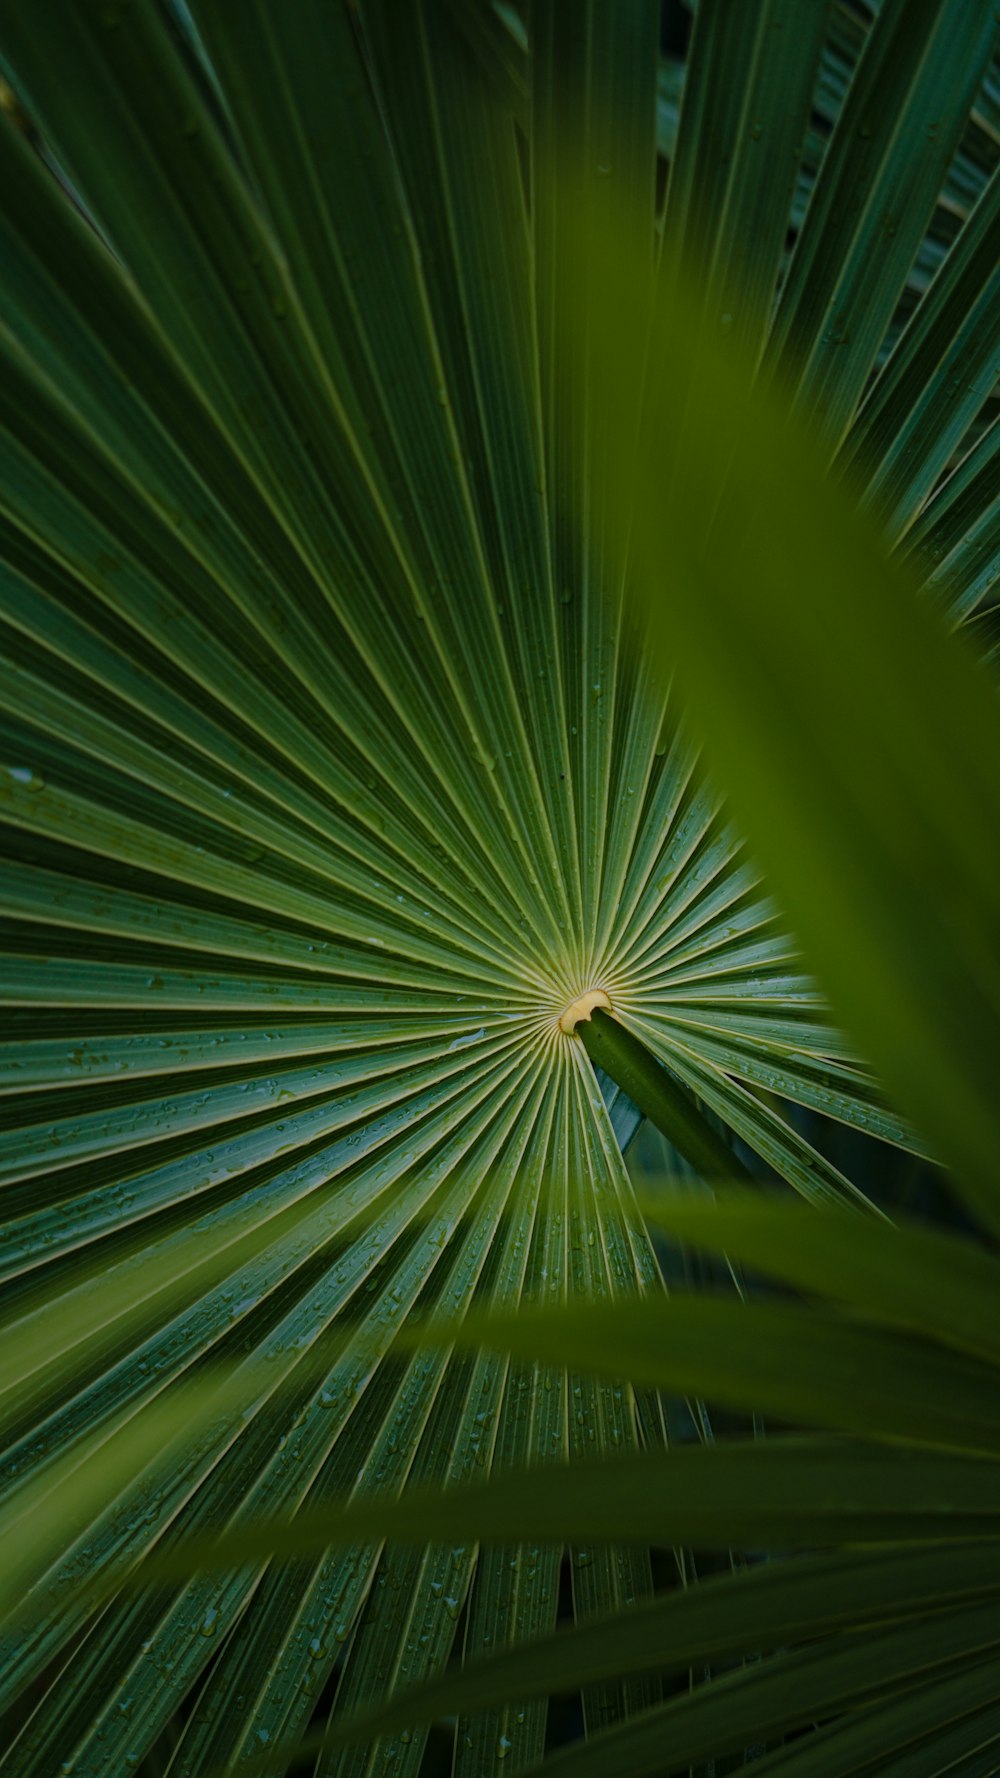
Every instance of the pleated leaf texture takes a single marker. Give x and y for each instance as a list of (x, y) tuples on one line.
[(333, 772)]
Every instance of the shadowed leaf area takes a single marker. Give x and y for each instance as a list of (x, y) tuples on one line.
[(499, 535)]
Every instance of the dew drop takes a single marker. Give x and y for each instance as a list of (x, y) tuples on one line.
[(20, 778)]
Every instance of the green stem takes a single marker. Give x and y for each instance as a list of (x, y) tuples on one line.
[(659, 1095)]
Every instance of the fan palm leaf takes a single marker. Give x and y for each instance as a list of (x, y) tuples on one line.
[(335, 774)]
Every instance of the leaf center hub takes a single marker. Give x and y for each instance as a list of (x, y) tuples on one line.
[(581, 1008)]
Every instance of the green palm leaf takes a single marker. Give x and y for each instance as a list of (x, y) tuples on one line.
[(334, 774)]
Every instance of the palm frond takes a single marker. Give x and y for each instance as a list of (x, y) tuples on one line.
[(333, 773)]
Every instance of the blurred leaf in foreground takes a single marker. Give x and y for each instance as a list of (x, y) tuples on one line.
[(858, 740)]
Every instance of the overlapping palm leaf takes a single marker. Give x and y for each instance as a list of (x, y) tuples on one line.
[(334, 773)]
